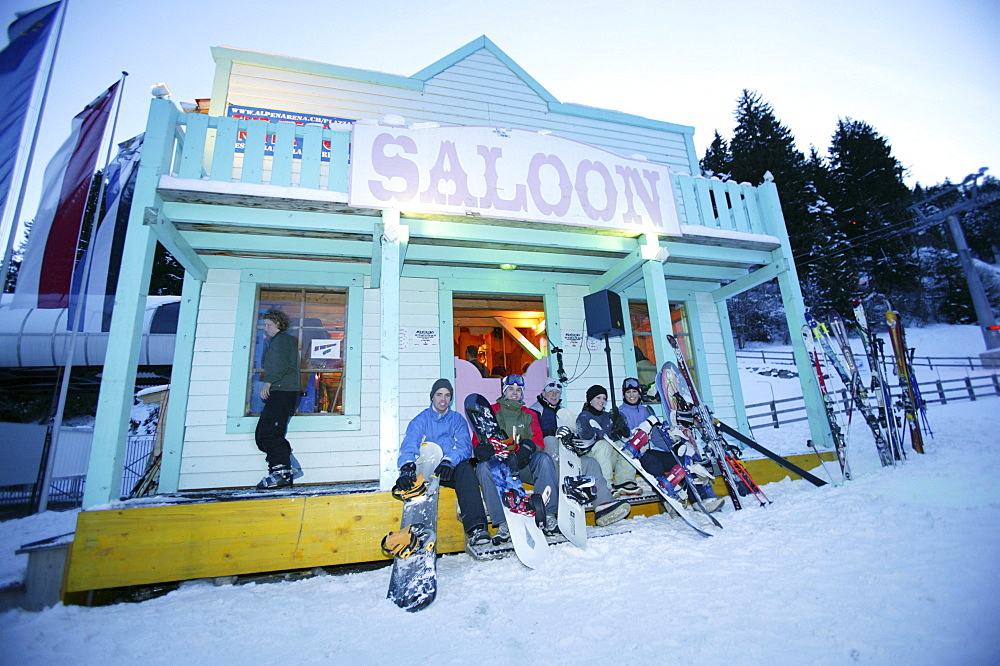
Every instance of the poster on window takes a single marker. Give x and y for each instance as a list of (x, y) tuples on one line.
[(323, 350)]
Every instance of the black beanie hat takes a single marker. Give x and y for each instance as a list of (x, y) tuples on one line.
[(440, 384), (595, 391)]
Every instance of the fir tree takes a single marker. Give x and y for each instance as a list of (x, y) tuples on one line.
[(870, 200)]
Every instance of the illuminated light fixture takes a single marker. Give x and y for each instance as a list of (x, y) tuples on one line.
[(159, 91), (508, 267)]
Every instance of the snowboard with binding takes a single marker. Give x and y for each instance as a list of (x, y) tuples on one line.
[(669, 384), (521, 511), (665, 495), (575, 492), (413, 583)]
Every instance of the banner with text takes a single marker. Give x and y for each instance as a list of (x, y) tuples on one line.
[(508, 174)]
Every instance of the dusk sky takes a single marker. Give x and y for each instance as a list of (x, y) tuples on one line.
[(923, 73)]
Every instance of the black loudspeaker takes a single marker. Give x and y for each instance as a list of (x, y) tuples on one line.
[(603, 311)]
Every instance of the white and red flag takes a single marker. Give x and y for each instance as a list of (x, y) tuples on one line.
[(46, 272)]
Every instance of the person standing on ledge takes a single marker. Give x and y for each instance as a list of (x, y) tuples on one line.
[(281, 392)]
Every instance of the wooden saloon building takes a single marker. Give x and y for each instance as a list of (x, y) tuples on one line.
[(398, 221)]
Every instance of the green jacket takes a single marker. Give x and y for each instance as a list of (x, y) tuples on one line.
[(281, 363)]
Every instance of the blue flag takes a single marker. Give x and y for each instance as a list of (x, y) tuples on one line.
[(19, 66)]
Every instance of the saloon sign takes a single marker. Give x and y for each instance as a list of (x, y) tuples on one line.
[(508, 174)]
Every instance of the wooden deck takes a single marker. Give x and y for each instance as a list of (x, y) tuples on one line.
[(207, 538)]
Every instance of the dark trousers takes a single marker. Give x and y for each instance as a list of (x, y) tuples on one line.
[(658, 463), (470, 502), (273, 424)]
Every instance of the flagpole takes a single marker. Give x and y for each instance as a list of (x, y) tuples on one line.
[(69, 346), (16, 214)]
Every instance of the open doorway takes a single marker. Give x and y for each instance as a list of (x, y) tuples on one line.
[(504, 334)]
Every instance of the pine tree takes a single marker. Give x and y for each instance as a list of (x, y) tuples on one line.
[(718, 161), (870, 200)]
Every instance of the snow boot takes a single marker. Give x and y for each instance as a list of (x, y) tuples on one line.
[(502, 536), (712, 504), (551, 527), (627, 489), (611, 512), (280, 477)]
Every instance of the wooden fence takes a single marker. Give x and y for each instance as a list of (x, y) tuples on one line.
[(776, 413)]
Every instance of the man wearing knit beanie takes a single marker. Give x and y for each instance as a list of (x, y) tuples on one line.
[(446, 428)]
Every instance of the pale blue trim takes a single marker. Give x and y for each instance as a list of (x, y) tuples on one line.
[(692, 155), (739, 405), (553, 328), (483, 43), (246, 320), (446, 317), (180, 386), (618, 117), (311, 67), (239, 263), (466, 276)]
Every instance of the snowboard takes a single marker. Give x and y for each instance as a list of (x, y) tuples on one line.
[(413, 583), (672, 389), (664, 494), (528, 539), (572, 513)]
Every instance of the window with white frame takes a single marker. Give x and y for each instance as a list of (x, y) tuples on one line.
[(318, 321)]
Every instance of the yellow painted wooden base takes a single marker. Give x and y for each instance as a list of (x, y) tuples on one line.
[(156, 544)]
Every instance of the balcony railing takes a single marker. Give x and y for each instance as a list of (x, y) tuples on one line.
[(284, 154)]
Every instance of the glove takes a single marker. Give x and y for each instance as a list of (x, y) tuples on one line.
[(407, 477), (564, 435), (445, 471), (619, 428), (523, 453)]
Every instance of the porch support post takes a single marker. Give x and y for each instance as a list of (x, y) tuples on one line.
[(791, 298), (107, 454), (389, 437), (180, 385)]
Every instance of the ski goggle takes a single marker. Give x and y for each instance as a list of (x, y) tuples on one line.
[(513, 380), (553, 386), (631, 383)]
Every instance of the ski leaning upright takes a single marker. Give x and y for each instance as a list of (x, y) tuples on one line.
[(876, 362), (705, 424), (912, 403), (852, 380), (839, 443)]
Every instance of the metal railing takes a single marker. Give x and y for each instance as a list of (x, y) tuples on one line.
[(776, 413), (69, 490), (783, 357)]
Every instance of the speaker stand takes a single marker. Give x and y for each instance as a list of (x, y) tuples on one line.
[(611, 379)]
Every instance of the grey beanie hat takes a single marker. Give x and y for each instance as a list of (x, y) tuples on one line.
[(440, 384)]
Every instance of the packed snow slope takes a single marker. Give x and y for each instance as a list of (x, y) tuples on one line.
[(901, 565)]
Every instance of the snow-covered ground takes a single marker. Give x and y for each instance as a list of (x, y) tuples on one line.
[(901, 565)]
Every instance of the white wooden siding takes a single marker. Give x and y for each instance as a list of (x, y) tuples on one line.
[(478, 90), (213, 458), (721, 400), (584, 367)]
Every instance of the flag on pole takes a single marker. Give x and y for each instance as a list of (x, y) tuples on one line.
[(46, 271), (103, 257), (20, 63)]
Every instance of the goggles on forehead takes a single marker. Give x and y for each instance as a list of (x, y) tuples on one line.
[(631, 383), (513, 380), (553, 386)]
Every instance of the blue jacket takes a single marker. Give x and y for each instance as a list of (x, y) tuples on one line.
[(635, 415), (449, 431)]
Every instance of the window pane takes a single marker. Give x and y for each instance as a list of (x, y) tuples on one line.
[(318, 321)]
